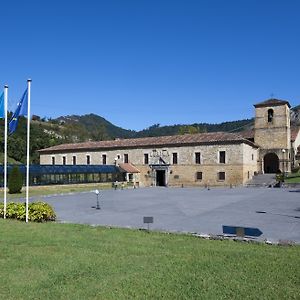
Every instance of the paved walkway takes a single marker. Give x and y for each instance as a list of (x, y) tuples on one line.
[(188, 209)]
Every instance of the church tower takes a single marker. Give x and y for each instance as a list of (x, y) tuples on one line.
[(272, 133)]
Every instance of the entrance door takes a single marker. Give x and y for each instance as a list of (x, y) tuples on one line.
[(271, 163), (160, 178)]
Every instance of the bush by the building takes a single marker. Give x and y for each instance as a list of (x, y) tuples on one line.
[(15, 180)]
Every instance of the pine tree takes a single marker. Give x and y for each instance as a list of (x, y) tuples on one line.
[(15, 180)]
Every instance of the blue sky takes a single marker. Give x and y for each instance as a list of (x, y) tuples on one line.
[(139, 62)]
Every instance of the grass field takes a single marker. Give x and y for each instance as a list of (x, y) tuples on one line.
[(293, 178), (57, 189), (66, 261)]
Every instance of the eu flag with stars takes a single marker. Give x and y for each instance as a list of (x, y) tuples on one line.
[(22, 110), (2, 106)]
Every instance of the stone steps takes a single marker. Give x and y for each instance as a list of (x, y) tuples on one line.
[(262, 180)]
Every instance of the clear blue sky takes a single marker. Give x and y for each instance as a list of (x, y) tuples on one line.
[(140, 62)]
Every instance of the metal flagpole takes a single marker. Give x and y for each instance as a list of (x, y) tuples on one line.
[(28, 140), (5, 148)]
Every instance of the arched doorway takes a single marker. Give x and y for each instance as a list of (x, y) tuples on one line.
[(271, 163)]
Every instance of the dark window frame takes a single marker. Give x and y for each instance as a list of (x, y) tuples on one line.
[(146, 159), (88, 159), (64, 160), (221, 176), (74, 160), (199, 176), (175, 158), (270, 115), (222, 157), (104, 159), (198, 158), (126, 158)]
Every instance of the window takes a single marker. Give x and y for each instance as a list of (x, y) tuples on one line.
[(252, 156), (146, 158), (64, 160), (126, 158), (88, 160), (53, 160), (222, 157), (248, 174), (103, 159), (270, 115), (175, 159), (198, 175), (74, 160), (130, 177), (198, 158), (221, 176)]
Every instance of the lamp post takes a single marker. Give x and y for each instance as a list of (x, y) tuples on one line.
[(98, 205), (283, 162)]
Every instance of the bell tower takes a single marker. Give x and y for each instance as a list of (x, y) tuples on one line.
[(272, 133)]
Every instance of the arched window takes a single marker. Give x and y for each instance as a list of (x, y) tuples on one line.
[(270, 115)]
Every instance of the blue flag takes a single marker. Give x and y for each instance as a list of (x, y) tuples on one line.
[(21, 110), (2, 106)]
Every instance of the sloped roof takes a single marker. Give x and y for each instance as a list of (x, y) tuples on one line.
[(174, 140), (247, 134), (129, 168), (272, 102)]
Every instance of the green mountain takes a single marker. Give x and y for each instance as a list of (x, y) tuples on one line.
[(92, 127)]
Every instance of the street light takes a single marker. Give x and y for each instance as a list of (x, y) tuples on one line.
[(97, 193), (283, 161)]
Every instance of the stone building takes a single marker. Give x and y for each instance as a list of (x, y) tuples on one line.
[(195, 159)]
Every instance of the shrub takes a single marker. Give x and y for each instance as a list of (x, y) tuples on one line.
[(15, 180), (16, 211), (40, 212), (279, 177), (37, 211)]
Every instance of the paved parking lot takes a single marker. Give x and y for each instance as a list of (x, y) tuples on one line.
[(188, 209)]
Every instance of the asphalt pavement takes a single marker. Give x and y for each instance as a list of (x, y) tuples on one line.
[(275, 211)]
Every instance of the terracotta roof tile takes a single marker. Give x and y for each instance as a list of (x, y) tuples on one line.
[(175, 140), (129, 168), (272, 102), (247, 134)]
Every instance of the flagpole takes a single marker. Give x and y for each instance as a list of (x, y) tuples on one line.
[(5, 148), (28, 140)]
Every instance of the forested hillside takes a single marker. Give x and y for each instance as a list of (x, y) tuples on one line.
[(91, 127)]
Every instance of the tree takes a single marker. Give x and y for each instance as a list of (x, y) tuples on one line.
[(189, 129), (15, 180)]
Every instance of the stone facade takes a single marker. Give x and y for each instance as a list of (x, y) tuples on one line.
[(207, 159), (296, 148), (239, 165), (273, 136)]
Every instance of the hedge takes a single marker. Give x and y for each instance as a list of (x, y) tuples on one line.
[(37, 211)]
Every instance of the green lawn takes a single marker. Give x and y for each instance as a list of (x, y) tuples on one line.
[(57, 189), (64, 261), (293, 178)]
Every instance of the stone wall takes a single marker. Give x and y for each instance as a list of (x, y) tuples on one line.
[(275, 134), (295, 146), (239, 160)]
